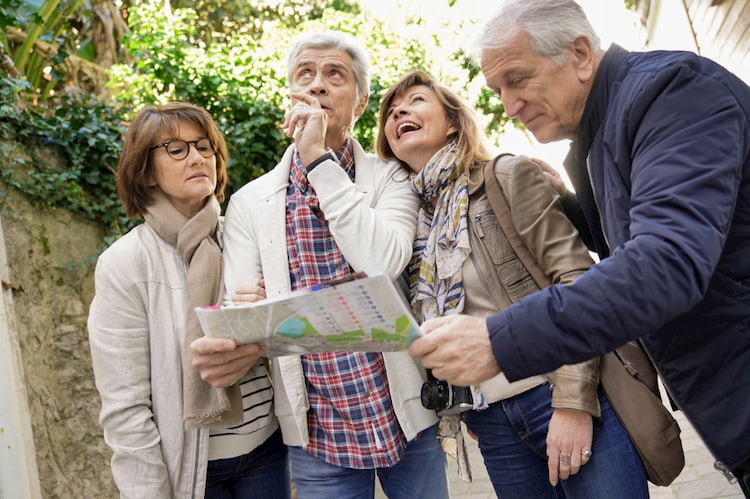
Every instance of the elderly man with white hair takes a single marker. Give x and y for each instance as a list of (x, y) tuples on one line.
[(326, 210)]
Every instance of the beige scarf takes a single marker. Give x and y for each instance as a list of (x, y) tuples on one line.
[(195, 239)]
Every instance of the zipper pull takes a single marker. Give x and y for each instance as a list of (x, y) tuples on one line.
[(478, 225), (727, 473)]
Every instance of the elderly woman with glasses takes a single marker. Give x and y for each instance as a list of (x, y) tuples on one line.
[(171, 433)]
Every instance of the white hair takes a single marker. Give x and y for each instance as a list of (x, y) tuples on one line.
[(334, 40), (551, 25)]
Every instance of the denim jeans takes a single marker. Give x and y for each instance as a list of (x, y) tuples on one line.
[(421, 473), (261, 474), (512, 439)]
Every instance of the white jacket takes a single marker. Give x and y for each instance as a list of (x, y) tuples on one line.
[(373, 221), (136, 332)]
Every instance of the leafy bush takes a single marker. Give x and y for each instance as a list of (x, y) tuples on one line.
[(86, 133), (238, 75), (235, 81)]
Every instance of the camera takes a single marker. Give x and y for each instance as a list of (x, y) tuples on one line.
[(444, 398)]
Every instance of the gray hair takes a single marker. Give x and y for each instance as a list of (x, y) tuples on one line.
[(551, 25), (334, 40)]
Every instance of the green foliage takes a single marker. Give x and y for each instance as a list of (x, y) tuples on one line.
[(235, 81), (242, 81), (48, 42), (227, 57), (9, 14), (220, 21), (83, 132)]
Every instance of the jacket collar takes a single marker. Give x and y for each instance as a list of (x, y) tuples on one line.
[(476, 178), (611, 69), (596, 105)]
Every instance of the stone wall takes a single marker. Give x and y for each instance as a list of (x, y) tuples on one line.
[(51, 256)]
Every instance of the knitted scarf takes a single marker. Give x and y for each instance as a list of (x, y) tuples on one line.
[(195, 239)]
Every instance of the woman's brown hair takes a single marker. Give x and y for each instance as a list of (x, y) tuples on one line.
[(135, 167)]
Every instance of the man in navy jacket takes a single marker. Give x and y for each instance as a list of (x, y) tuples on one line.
[(660, 160)]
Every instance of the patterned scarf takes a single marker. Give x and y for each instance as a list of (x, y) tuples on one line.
[(440, 249), (195, 239), (442, 242)]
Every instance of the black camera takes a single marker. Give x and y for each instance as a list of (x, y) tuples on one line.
[(444, 398)]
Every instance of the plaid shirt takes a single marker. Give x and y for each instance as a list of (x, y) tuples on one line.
[(351, 420)]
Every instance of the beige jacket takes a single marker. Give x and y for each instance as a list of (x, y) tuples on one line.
[(552, 240), (136, 333)]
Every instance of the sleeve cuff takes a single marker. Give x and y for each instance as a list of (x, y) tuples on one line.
[(325, 157)]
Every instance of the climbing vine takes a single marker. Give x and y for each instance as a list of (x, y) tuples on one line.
[(81, 131)]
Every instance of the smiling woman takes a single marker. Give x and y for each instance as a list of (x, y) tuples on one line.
[(463, 264), (414, 125)]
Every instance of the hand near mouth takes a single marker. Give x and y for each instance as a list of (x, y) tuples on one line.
[(307, 123)]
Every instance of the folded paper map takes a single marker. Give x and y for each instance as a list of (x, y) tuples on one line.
[(356, 313)]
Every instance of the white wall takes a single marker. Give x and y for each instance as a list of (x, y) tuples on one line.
[(668, 27), (19, 477)]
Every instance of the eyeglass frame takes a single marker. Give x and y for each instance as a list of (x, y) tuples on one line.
[(187, 143)]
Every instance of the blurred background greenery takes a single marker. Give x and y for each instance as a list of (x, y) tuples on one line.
[(75, 71)]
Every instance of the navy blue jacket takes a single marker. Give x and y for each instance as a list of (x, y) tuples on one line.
[(665, 142)]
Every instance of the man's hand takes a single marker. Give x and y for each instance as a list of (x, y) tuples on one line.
[(307, 123), (221, 362), (250, 293), (457, 349), (553, 176)]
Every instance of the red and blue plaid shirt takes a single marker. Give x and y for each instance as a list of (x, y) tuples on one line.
[(351, 421)]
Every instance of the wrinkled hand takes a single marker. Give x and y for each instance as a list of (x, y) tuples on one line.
[(250, 293), (553, 176), (457, 349), (221, 362), (307, 123), (570, 432)]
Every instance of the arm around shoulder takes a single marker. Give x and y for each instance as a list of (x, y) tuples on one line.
[(538, 216)]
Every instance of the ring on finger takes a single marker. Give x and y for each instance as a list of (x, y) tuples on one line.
[(564, 459), (586, 453)]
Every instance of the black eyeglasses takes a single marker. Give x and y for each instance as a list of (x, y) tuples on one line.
[(179, 149)]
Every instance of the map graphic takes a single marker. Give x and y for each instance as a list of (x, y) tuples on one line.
[(357, 313)]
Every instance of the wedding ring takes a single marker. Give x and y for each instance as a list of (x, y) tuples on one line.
[(586, 453), (564, 459)]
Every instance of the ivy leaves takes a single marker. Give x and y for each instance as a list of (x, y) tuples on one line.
[(86, 134)]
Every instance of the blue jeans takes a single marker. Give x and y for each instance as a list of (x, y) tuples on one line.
[(261, 473), (512, 439), (421, 473)]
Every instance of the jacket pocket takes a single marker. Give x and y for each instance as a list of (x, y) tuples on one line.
[(513, 276), (517, 280)]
